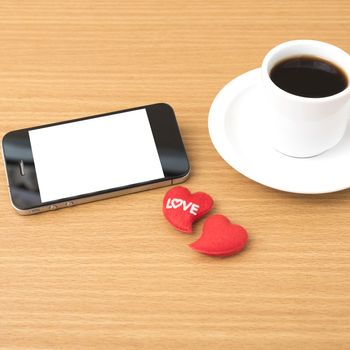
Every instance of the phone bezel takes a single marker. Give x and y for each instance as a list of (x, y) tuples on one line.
[(166, 135)]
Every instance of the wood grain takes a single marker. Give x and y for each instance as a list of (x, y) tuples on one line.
[(113, 274)]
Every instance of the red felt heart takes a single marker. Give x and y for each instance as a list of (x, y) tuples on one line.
[(182, 209), (220, 237)]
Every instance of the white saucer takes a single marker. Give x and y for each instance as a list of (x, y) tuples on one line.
[(237, 130)]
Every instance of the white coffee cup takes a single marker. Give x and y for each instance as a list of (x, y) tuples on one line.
[(302, 126)]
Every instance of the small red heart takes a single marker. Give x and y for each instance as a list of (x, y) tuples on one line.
[(182, 209), (220, 237)]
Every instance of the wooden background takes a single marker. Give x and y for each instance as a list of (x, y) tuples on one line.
[(113, 274)]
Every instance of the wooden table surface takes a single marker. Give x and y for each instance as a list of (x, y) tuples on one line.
[(113, 274)]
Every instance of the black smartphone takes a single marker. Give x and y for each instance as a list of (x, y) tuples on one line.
[(82, 160)]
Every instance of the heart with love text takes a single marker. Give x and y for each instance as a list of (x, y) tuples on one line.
[(182, 208)]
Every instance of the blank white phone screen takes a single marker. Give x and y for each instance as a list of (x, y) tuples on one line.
[(95, 154)]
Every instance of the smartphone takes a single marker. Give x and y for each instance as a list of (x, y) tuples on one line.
[(77, 161)]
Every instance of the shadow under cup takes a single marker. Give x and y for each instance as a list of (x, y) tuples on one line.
[(301, 126)]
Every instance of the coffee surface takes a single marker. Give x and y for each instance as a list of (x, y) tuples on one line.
[(309, 76)]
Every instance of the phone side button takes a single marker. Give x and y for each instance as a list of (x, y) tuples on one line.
[(69, 204), (52, 207)]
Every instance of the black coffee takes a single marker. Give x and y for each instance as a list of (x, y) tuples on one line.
[(309, 76)]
